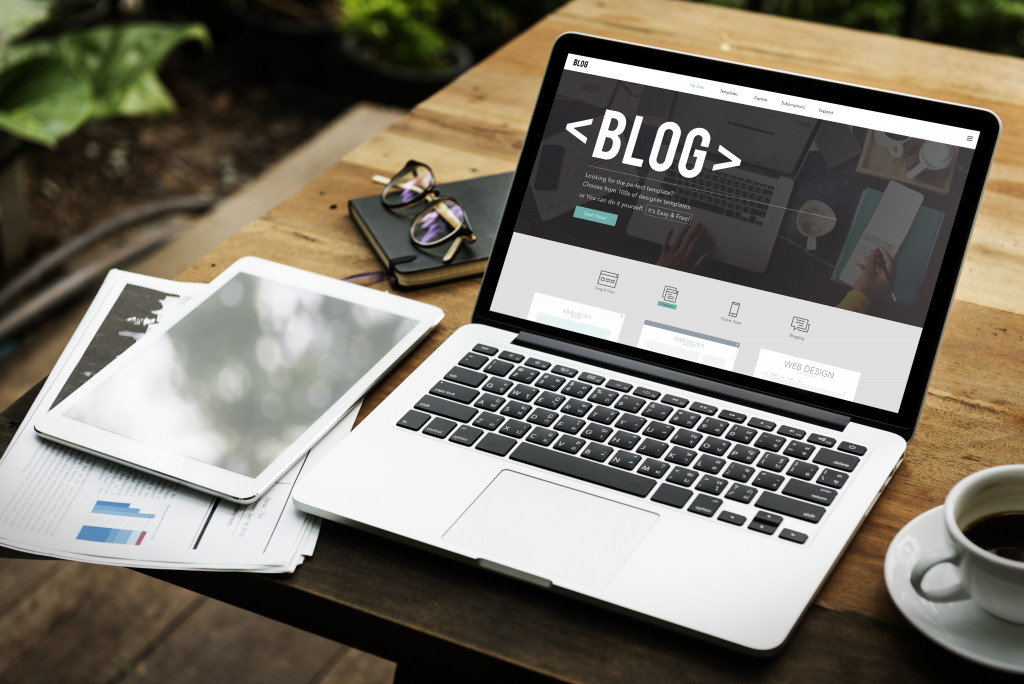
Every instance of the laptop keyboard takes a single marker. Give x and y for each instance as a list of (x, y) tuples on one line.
[(724, 193), (714, 462)]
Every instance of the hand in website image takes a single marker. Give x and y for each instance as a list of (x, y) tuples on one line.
[(875, 280), (685, 248)]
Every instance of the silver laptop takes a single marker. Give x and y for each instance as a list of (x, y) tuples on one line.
[(684, 440)]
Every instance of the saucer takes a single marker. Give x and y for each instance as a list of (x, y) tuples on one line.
[(960, 626)]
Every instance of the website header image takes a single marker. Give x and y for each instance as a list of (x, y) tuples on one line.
[(786, 203)]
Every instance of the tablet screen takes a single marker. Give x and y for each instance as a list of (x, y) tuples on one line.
[(244, 374)]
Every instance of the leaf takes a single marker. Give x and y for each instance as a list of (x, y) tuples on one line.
[(121, 61), (42, 100), (18, 17)]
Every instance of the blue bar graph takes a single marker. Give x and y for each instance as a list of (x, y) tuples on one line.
[(121, 509), (110, 535)]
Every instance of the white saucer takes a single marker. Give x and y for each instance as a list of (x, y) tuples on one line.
[(961, 626)]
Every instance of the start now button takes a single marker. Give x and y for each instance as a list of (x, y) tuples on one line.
[(595, 215)]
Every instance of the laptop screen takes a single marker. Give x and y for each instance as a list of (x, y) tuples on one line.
[(737, 222)]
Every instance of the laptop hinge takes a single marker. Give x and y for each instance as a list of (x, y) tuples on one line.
[(670, 376)]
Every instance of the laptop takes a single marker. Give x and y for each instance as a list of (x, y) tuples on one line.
[(687, 442)]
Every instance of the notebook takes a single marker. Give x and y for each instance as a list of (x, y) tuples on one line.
[(387, 231), (650, 429)]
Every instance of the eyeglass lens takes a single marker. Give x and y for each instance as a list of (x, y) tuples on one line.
[(409, 185), (437, 222)]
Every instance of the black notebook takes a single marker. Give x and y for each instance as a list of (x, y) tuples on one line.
[(387, 231)]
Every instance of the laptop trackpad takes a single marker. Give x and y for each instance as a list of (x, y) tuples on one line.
[(550, 530)]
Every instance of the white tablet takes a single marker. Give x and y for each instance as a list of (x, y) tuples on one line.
[(244, 378)]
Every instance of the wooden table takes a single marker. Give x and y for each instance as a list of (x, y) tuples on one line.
[(433, 615)]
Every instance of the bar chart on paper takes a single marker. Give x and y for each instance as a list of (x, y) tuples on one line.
[(116, 535)]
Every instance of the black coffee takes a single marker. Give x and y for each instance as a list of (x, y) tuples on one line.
[(1002, 534)]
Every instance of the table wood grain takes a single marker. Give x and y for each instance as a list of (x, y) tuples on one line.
[(435, 615)]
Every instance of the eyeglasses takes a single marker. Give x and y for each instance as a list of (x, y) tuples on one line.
[(441, 220)]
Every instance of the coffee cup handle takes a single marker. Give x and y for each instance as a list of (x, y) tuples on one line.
[(954, 592), (921, 166)]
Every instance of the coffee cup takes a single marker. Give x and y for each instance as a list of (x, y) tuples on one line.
[(933, 156), (892, 142), (983, 518), (815, 219)]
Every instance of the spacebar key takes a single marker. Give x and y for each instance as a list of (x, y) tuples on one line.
[(582, 469)]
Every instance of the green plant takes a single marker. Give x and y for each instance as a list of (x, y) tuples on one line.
[(403, 32), (51, 86)]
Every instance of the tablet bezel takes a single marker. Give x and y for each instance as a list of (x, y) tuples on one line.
[(57, 426)]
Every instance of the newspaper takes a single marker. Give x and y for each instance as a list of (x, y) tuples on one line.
[(59, 502)]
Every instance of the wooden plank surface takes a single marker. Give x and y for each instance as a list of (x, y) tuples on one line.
[(430, 612)]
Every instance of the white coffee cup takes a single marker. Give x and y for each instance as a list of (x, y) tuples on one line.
[(994, 583), (892, 142), (815, 219), (934, 156)]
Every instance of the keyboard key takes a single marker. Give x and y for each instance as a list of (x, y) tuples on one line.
[(413, 420), (647, 393), (496, 444), (773, 462), (834, 459), (652, 467), (515, 409), (732, 416), (514, 428), (630, 404), (713, 426), (542, 416), (550, 381), (741, 434), (658, 430), (524, 375), (686, 438), (570, 444), (744, 454), (485, 349), (682, 476), (791, 507), (583, 469), (602, 414), (619, 386), (497, 385), (768, 518), (488, 421), (855, 449), (511, 356), (603, 396), (577, 389), (770, 442), (672, 496), (738, 472), (686, 419), (793, 536), (498, 367), (767, 480), (789, 431), (570, 424), (449, 390), (681, 456), (810, 492), (473, 360), (713, 445), (711, 484), (761, 424), (565, 370), (832, 478), (448, 409), (597, 452), (592, 379), (800, 450), (805, 471), (596, 432), (705, 505), (741, 493), (575, 407), (732, 518), (523, 393), (652, 448), (439, 427), (465, 376), (673, 400), (466, 435), (821, 440), (624, 440), (656, 411), (701, 407), (626, 460), (542, 436), (549, 400), (709, 464), (761, 527), (631, 423), (538, 364)]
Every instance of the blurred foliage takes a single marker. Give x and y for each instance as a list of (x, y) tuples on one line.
[(992, 25)]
